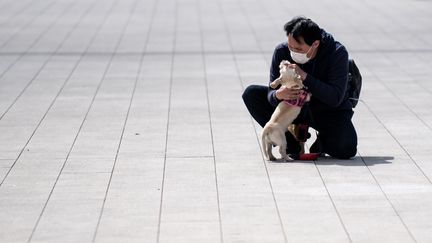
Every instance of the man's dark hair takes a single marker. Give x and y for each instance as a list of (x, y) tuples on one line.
[(302, 27)]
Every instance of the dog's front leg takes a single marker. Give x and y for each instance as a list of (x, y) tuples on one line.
[(276, 82), (282, 151)]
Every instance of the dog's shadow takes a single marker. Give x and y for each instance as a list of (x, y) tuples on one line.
[(356, 161)]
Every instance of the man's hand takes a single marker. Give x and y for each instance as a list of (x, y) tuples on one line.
[(284, 93)]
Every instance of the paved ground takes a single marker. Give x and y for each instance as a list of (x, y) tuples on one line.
[(122, 121)]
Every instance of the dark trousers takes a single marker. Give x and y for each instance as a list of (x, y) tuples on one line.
[(336, 133)]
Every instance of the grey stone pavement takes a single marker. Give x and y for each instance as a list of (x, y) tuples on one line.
[(122, 121)]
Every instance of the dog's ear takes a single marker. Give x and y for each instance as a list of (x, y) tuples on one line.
[(283, 63)]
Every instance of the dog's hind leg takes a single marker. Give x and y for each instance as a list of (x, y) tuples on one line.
[(266, 144), (269, 152)]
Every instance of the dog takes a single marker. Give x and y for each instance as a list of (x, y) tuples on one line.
[(285, 113)]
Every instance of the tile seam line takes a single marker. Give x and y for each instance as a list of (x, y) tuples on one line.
[(397, 97), (381, 13), (420, 85), (43, 117), (47, 60), (316, 167), (338, 214), (401, 100), (137, 78), (24, 55), (158, 232), (391, 133), (78, 132), (17, 13), (397, 141), (162, 53), (349, 23), (333, 203), (221, 235), (326, 187), (388, 200), (39, 14), (16, 33), (282, 228)]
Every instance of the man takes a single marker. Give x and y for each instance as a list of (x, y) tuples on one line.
[(322, 64)]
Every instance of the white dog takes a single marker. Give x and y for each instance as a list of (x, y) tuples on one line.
[(285, 113)]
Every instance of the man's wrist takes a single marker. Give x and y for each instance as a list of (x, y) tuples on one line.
[(304, 76), (275, 96)]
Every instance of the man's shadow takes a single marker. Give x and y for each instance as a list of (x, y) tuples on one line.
[(356, 161)]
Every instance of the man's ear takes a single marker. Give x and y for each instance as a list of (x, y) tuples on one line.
[(316, 43)]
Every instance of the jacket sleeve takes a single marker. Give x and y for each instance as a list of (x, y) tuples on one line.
[(274, 74), (331, 91)]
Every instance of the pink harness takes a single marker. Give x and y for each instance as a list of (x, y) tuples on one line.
[(300, 101)]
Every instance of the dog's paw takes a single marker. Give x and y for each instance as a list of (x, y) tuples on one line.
[(271, 158), (288, 159), (275, 83)]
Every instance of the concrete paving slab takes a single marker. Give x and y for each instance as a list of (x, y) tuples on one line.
[(73, 208), (189, 207)]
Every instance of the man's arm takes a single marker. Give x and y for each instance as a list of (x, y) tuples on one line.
[(274, 74), (331, 92)]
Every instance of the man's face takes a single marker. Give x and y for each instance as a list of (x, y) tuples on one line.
[(296, 46)]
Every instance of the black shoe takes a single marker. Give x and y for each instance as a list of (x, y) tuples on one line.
[(293, 149)]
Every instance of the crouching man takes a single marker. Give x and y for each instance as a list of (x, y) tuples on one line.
[(322, 63)]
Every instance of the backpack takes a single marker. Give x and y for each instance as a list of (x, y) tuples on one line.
[(354, 83)]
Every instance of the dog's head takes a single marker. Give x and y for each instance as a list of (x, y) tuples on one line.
[(289, 76)]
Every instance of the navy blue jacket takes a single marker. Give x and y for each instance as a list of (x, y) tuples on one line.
[(327, 75)]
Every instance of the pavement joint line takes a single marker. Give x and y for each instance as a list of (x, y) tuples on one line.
[(97, 89), (227, 32), (49, 58), (221, 234), (25, 52), (22, 92), (47, 7), (190, 157), (398, 142), (171, 78), (333, 204), (19, 12), (388, 199), (86, 172), (162, 53), (137, 78)]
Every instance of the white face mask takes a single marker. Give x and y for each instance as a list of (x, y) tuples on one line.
[(300, 58)]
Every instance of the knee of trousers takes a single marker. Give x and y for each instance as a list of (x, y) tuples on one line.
[(343, 151), (249, 93)]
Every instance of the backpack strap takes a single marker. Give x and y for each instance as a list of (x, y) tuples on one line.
[(354, 83)]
